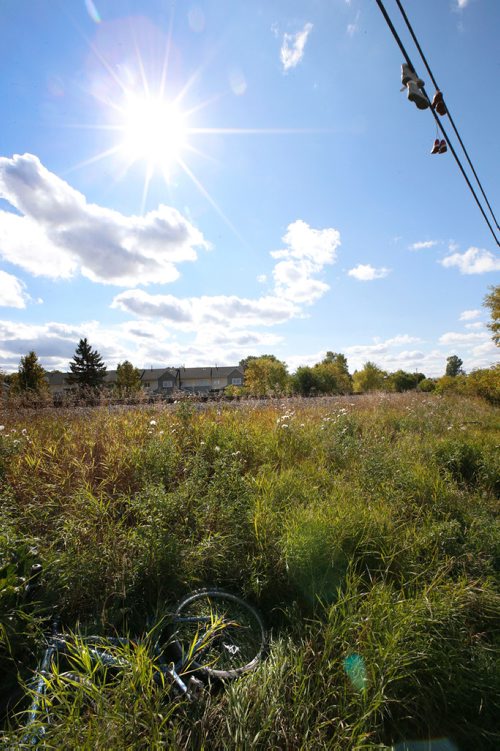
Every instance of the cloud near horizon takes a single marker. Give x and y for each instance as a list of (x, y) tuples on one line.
[(58, 234), (293, 47)]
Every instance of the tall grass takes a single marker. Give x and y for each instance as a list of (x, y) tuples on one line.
[(365, 529)]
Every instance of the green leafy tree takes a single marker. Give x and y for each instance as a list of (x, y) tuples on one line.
[(128, 379), (304, 381), (369, 378), (401, 380), (266, 376), (247, 360), (492, 301), (454, 366), (87, 367), (30, 375)]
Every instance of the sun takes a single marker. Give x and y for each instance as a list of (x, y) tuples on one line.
[(154, 130)]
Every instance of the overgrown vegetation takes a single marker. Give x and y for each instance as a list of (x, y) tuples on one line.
[(365, 529)]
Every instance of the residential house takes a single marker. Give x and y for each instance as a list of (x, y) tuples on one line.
[(165, 381)]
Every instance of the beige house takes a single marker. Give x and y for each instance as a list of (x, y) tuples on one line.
[(166, 381)]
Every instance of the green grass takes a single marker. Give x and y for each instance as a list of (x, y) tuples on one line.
[(365, 529)]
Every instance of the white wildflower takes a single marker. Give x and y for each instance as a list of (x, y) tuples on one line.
[(152, 422)]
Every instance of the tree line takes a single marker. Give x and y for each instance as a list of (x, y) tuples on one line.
[(266, 375)]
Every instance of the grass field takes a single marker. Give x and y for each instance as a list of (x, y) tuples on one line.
[(365, 530)]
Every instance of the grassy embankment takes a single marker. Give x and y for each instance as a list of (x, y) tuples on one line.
[(364, 529)]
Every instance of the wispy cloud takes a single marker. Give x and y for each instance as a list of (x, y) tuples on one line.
[(423, 244), (473, 261), (469, 315), (353, 27), (461, 4), (364, 272), (12, 291), (58, 234), (460, 337), (293, 47)]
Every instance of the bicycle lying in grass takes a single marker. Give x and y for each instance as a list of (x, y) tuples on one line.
[(211, 634)]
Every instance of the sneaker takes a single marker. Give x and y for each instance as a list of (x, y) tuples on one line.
[(443, 148), (438, 103), (435, 148), (408, 74), (417, 96)]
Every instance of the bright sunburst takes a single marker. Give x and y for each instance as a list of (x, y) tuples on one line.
[(155, 130)]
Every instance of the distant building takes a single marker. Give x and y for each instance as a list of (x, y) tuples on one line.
[(165, 381)]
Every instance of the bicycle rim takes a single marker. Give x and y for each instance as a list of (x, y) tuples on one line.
[(218, 633)]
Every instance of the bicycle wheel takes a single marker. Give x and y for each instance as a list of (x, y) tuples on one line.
[(218, 633)]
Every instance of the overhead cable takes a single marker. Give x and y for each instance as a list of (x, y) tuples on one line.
[(414, 37), (438, 121)]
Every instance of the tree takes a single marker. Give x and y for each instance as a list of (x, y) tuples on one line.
[(304, 381), (87, 368), (30, 375), (454, 366), (128, 378), (369, 378), (246, 360), (401, 380), (492, 301), (266, 376)]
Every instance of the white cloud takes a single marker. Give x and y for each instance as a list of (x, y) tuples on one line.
[(293, 47), (364, 272), (469, 315), (188, 314), (12, 291), (461, 4), (473, 261), (308, 251), (353, 27), (58, 234), (460, 337), (423, 244), (145, 343), (476, 325)]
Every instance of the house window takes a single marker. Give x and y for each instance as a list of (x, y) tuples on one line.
[(236, 381), (167, 384)]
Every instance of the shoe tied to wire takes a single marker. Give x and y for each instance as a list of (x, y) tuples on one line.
[(438, 103), (408, 74), (435, 148), (417, 96), (443, 148)]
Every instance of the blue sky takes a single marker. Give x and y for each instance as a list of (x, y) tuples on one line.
[(188, 183)]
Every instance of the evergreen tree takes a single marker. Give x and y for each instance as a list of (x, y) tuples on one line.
[(87, 368)]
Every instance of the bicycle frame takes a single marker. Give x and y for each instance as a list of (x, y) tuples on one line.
[(58, 643)]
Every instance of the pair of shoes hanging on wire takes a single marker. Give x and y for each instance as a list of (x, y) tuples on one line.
[(439, 147), (414, 84)]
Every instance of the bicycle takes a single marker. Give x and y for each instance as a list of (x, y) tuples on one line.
[(211, 633)]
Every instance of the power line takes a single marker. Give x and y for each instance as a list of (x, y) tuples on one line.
[(438, 121), (414, 37)]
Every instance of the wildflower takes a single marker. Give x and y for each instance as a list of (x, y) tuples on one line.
[(2, 427), (284, 425), (24, 431), (152, 422), (217, 448)]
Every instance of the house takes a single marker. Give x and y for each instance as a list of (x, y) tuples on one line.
[(165, 381), (206, 380)]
